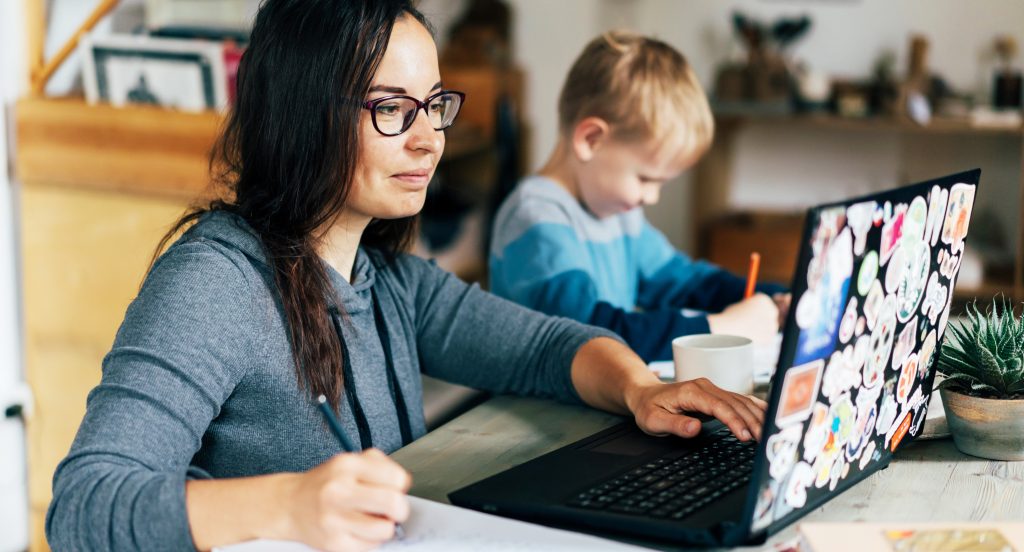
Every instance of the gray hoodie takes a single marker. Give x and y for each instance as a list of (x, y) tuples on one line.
[(200, 381)]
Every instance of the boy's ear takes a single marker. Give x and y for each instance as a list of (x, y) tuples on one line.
[(588, 135)]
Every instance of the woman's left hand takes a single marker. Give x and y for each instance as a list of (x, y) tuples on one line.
[(661, 408)]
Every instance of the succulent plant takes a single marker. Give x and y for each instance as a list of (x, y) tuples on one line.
[(983, 356)]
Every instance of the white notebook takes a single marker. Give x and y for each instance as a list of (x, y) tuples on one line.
[(433, 526)]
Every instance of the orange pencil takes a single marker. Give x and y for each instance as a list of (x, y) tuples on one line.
[(755, 263)]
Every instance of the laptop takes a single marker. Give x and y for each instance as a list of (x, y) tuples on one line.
[(871, 298)]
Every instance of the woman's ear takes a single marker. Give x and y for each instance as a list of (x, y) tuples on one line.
[(589, 135)]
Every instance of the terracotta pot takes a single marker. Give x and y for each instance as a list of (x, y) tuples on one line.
[(988, 428)]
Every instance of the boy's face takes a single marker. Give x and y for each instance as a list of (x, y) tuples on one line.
[(623, 175)]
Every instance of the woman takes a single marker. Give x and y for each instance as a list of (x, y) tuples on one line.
[(204, 430)]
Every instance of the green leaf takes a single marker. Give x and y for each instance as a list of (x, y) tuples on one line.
[(958, 381), (990, 369), (984, 352), (985, 388)]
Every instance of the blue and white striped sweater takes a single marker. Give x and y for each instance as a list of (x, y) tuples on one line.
[(548, 253)]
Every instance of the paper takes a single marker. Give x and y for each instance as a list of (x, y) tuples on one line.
[(433, 526)]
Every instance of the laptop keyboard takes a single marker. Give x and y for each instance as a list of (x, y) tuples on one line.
[(674, 488)]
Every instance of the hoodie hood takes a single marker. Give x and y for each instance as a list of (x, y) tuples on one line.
[(233, 232)]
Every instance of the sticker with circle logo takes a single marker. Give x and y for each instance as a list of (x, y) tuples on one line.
[(868, 272)]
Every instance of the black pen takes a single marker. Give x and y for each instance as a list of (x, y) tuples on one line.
[(335, 426), (347, 445)]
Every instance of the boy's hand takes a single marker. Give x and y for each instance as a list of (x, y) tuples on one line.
[(782, 301), (756, 317), (660, 409)]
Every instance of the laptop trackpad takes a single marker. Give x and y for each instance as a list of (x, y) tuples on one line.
[(632, 443)]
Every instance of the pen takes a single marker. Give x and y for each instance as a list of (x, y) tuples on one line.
[(347, 445), (335, 426), (755, 264)]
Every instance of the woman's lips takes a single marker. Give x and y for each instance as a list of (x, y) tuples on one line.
[(416, 179)]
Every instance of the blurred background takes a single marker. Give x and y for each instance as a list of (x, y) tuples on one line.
[(109, 109)]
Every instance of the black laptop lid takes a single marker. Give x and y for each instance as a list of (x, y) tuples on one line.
[(871, 300)]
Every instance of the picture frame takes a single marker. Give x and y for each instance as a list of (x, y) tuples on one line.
[(187, 75)]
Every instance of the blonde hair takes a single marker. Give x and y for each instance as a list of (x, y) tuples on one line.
[(642, 87)]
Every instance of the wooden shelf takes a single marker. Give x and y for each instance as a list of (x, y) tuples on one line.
[(140, 150), (712, 212), (938, 125)]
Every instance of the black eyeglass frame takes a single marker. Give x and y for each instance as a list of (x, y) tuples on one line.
[(371, 105)]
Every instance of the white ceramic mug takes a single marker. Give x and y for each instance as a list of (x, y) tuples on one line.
[(726, 360)]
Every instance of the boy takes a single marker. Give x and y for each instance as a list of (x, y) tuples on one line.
[(573, 241)]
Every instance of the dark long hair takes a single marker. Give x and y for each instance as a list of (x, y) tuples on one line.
[(286, 157)]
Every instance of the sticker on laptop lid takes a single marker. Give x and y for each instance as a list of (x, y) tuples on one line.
[(799, 391), (958, 214), (936, 213)]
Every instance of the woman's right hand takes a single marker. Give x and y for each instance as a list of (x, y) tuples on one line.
[(756, 317), (350, 502)]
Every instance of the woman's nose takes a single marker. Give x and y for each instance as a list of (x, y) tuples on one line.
[(422, 136)]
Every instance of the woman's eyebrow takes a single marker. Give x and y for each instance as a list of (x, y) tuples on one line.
[(397, 89)]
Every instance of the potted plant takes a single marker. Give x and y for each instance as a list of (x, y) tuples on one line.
[(982, 360)]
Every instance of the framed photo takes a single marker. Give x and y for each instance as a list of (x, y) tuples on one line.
[(134, 69)]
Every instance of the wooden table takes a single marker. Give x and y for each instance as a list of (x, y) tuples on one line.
[(928, 481)]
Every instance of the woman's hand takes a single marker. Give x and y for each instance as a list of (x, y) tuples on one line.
[(660, 408), (350, 502), (756, 317)]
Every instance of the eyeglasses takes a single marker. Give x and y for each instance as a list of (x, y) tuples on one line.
[(393, 115)]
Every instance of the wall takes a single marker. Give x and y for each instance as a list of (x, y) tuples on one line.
[(847, 37), (13, 490)]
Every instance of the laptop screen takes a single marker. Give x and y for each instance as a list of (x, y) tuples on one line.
[(871, 298)]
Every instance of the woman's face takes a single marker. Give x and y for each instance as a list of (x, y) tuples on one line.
[(392, 172)]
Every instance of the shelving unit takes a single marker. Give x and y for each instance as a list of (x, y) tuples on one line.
[(721, 230)]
